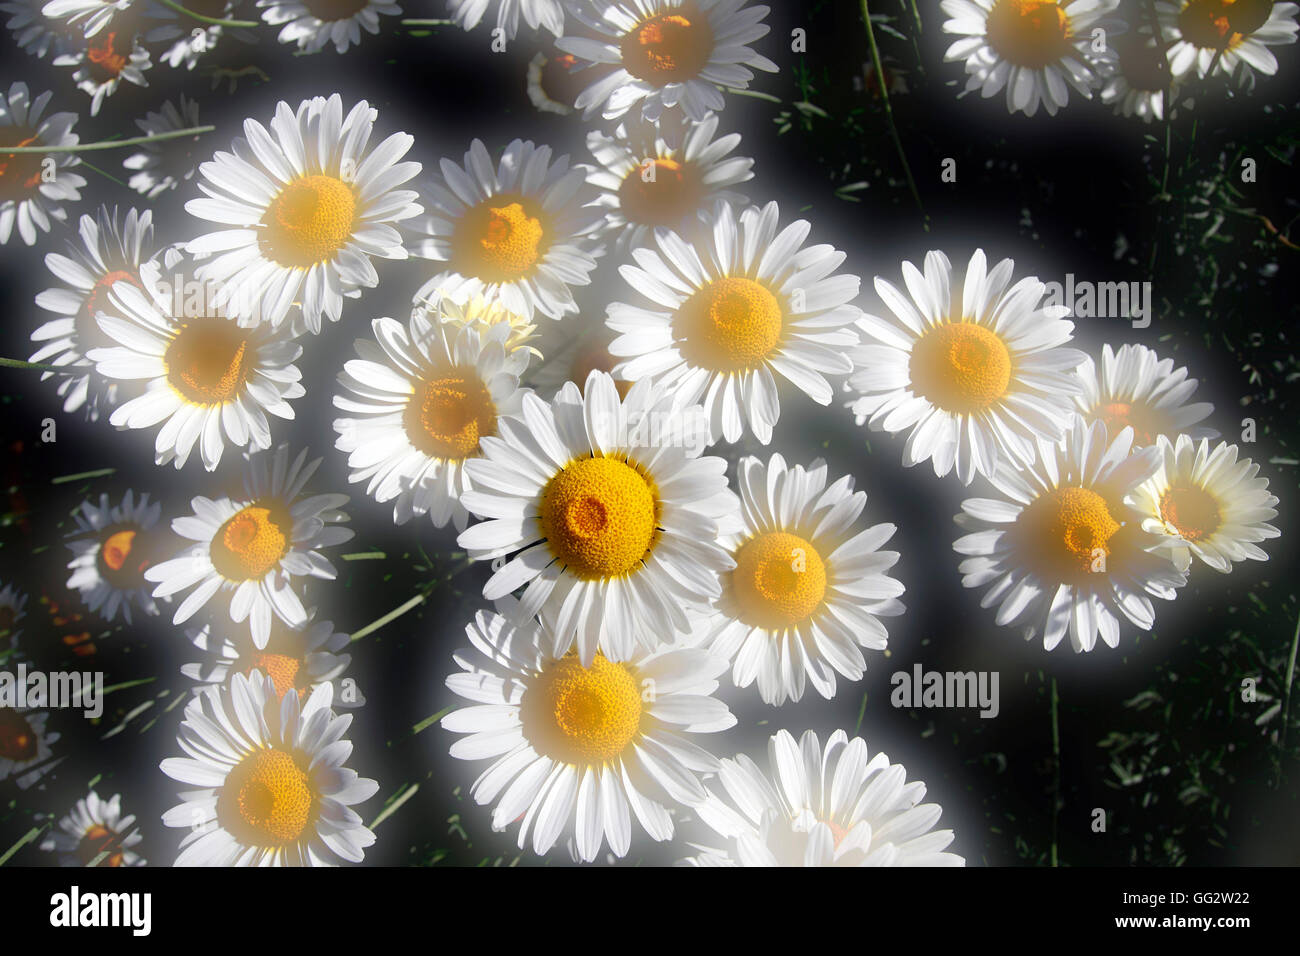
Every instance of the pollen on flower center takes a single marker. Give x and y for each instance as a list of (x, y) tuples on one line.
[(17, 739), (207, 361), (582, 715), (1144, 420), (501, 239), (1068, 532), (250, 543), (599, 516), (309, 221), (119, 558), (20, 173), (281, 668), (109, 53), (961, 367), (669, 48), (731, 324), (96, 840), (1191, 510), (1204, 23), (448, 414), (659, 192), (779, 580), (1029, 33), (267, 799), (329, 10)]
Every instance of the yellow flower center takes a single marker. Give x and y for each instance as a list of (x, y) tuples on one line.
[(598, 516), (1029, 33), (96, 840), (501, 239), (17, 739), (310, 221), (1222, 24), (1192, 510), (267, 799), (660, 192), (1068, 533), (250, 543), (669, 48), (961, 367), (281, 668), (729, 325), (447, 415), (108, 54), (122, 559), (330, 10), (582, 715), (779, 580), (208, 361), (1146, 422), (20, 173)]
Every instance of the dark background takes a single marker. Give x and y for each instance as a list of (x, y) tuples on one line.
[(1154, 732)]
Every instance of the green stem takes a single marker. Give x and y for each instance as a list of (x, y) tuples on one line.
[(35, 366), (211, 21), (111, 143), (889, 114), (1290, 676), (390, 616), (426, 23)]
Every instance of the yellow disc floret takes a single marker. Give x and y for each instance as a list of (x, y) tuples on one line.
[(1068, 533), (250, 543), (729, 325), (208, 361), (309, 221), (449, 413), (598, 516), (267, 799), (659, 192), (1145, 421), (1190, 510), (582, 715), (501, 239), (779, 580), (669, 48), (99, 839), (961, 367), (1029, 33)]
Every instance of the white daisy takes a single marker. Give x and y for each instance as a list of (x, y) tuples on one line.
[(112, 546), (665, 175), (273, 788), (13, 604), (719, 315), (581, 749), (976, 371), (294, 658), (1135, 387), (253, 547), (538, 14), (308, 205), (667, 54), (1141, 80), (1036, 49), (809, 584), (209, 379), (31, 184), (89, 16), (519, 233), (95, 830), (481, 315), (108, 58), (37, 33), (159, 167), (609, 512), (190, 39), (24, 745), (837, 806), (112, 249), (417, 403), (314, 24), (1062, 550), (1229, 31), (1211, 504)]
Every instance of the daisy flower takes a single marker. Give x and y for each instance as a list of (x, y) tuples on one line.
[(809, 585), (112, 249), (481, 315), (1061, 549), (294, 658), (307, 205), (159, 167), (24, 745), (1140, 83), (106, 59), (417, 402), (832, 806), (35, 32), (1036, 49), (12, 610), (273, 788), (190, 39), (31, 184), (112, 546), (208, 379), (582, 748), (666, 175), (1210, 504), (519, 233), (719, 315), (253, 547), (1135, 387), (314, 24), (538, 14), (607, 511), (571, 350), (93, 830), (1231, 31), (667, 54), (975, 372), (90, 16)]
